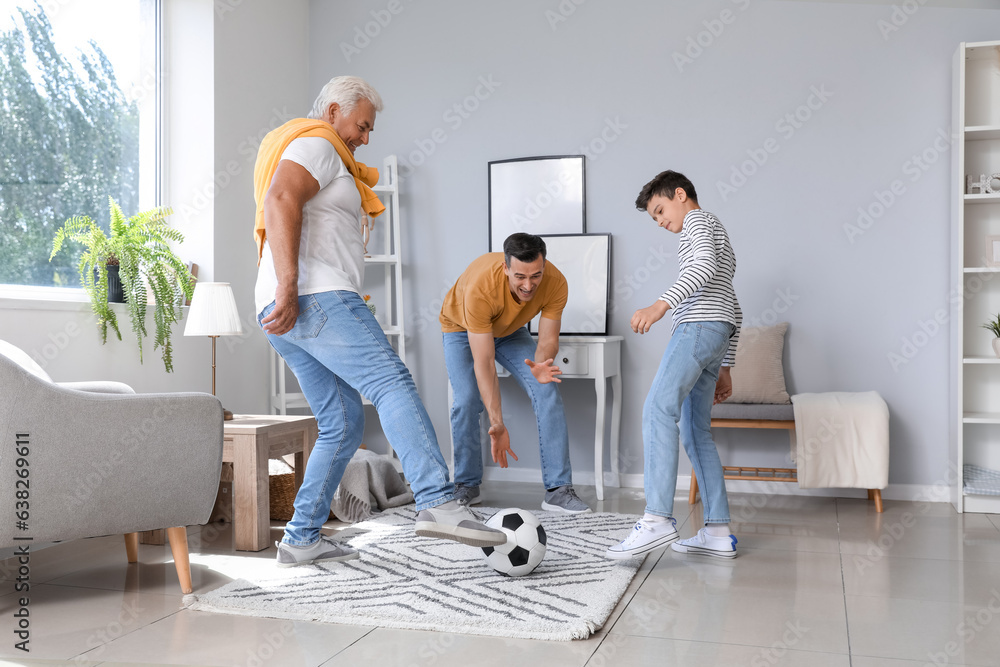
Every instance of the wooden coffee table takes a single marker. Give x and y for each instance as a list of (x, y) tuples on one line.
[(249, 441)]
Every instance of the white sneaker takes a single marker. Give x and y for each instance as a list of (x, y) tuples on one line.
[(644, 537), (707, 545)]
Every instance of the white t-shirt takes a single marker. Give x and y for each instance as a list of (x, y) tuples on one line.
[(331, 250)]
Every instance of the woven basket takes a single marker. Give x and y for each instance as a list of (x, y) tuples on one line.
[(282, 489)]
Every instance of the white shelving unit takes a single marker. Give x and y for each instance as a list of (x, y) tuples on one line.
[(975, 377), (385, 252)]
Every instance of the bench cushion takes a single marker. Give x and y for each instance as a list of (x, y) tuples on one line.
[(775, 411), (758, 376)]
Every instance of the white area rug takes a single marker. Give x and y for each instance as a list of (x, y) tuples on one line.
[(406, 581)]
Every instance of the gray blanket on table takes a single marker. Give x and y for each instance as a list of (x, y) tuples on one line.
[(370, 481)]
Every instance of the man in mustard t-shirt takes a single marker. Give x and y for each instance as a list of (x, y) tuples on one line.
[(483, 320)]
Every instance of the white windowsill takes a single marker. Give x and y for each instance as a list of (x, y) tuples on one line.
[(27, 297)]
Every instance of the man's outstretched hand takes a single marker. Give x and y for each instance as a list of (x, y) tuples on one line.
[(545, 371), (500, 445)]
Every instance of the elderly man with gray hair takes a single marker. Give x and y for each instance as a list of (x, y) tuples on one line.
[(311, 198)]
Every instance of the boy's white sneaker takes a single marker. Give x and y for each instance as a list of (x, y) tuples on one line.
[(707, 545), (643, 538)]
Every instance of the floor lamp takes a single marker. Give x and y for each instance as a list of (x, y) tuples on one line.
[(213, 313)]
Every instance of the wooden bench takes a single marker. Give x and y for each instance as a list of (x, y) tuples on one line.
[(762, 415)]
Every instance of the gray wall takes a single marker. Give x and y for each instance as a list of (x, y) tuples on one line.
[(606, 81)]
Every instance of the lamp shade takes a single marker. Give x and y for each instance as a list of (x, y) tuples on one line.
[(213, 311)]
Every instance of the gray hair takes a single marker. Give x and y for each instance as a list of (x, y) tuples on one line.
[(345, 91)]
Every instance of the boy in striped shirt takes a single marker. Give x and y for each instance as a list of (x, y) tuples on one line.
[(693, 374)]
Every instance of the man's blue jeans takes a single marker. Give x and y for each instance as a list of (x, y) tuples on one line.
[(511, 351), (337, 349), (679, 408)]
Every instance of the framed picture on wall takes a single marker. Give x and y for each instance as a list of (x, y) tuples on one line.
[(537, 195), (992, 251), (585, 261)]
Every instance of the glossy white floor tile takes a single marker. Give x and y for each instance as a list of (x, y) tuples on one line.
[(68, 621), (820, 582), (929, 631), (221, 639), (653, 652)]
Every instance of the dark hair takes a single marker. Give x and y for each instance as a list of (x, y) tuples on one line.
[(525, 247), (666, 184)]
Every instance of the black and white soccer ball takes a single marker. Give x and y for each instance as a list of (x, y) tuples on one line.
[(525, 546)]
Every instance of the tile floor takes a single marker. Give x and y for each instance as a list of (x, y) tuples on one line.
[(819, 582)]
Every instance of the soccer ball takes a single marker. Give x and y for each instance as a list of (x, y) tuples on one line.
[(525, 545)]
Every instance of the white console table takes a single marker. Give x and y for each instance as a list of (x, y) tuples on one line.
[(594, 358)]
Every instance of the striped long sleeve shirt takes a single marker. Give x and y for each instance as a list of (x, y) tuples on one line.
[(704, 289)]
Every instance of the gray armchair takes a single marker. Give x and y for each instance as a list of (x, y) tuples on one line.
[(95, 458)]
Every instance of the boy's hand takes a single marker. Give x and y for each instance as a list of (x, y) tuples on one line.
[(500, 445), (644, 318), (545, 371), (724, 387)]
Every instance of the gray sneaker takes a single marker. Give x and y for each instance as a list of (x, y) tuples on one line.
[(564, 499), (322, 550), (452, 521), (467, 495)]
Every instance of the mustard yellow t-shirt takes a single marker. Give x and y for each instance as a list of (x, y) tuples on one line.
[(481, 302)]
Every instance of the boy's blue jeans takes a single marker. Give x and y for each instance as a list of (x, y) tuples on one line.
[(511, 351), (335, 350), (679, 409)]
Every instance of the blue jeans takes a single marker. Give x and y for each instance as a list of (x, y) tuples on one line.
[(679, 409), (511, 351), (337, 349)]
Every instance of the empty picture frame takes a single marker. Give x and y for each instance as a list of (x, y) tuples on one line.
[(537, 195), (585, 261)]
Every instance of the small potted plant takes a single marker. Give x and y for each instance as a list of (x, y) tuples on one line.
[(994, 326), (371, 306), (139, 246)]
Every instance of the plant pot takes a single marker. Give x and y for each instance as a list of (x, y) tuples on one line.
[(996, 346), (115, 292)]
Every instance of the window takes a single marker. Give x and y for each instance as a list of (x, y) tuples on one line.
[(79, 91)]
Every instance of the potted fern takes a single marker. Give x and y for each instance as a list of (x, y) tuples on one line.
[(139, 245), (994, 326)]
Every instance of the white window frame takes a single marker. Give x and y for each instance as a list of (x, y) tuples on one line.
[(151, 139)]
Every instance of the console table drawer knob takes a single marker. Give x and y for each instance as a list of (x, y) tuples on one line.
[(573, 360)]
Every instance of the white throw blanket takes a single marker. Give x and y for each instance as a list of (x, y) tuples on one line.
[(842, 440), (370, 480)]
